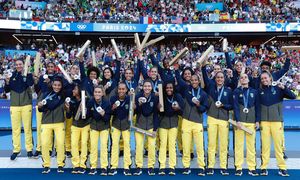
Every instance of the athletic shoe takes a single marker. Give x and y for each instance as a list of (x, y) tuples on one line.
[(127, 172), (68, 154), (138, 172), (264, 172), (29, 154), (75, 170), (239, 172), (151, 172), (112, 172), (283, 172), (46, 170), (60, 169), (201, 172), (210, 171), (172, 172), (186, 171), (224, 172), (14, 156), (161, 172), (253, 173), (37, 154), (81, 170), (93, 171), (103, 172)]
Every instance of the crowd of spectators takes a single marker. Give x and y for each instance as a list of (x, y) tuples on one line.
[(160, 11), (251, 56)]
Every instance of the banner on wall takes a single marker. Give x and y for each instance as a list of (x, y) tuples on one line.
[(18, 53), (33, 5), (209, 6), (24, 14), (291, 109), (162, 28)]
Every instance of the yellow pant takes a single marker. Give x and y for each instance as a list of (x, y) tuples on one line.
[(18, 115), (82, 135), (38, 128), (192, 132), (179, 136), (274, 130), (239, 136), (217, 128), (139, 141), (283, 139), (68, 134), (167, 139), (94, 138), (116, 134), (46, 138)]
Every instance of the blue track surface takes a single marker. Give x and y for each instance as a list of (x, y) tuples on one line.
[(12, 174)]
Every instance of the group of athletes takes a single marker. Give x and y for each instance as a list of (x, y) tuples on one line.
[(253, 102)]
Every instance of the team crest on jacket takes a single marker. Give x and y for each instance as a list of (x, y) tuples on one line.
[(126, 106), (190, 92), (251, 95), (151, 104), (241, 95), (225, 93)]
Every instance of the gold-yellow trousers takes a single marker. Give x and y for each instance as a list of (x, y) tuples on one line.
[(272, 130), (38, 128), (217, 128), (179, 136), (46, 138), (167, 139), (116, 134), (94, 138), (192, 132), (19, 115), (139, 149), (239, 136), (79, 135), (68, 124)]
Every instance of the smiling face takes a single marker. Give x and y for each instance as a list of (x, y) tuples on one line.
[(153, 73), (75, 70), (19, 66), (122, 89), (107, 74), (265, 79), (220, 79), (187, 75), (98, 93), (217, 68), (128, 74), (56, 86), (244, 80), (169, 89), (239, 67), (50, 68), (93, 75), (195, 81), (147, 87)]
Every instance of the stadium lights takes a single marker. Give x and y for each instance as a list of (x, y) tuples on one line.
[(269, 40), (17, 39), (54, 39)]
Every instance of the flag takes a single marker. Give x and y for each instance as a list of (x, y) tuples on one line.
[(176, 20), (146, 20)]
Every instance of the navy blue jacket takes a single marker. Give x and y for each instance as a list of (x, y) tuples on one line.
[(99, 122), (147, 113), (166, 75), (253, 105), (121, 113)]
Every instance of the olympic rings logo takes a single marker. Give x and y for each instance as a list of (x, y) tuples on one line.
[(81, 26)]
